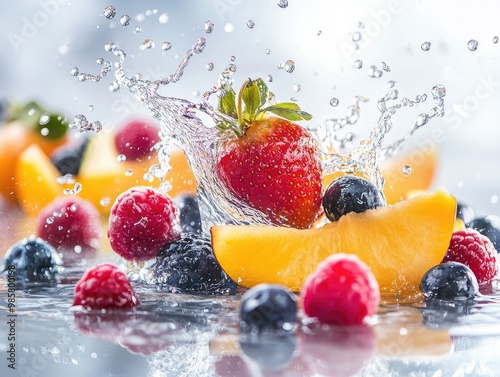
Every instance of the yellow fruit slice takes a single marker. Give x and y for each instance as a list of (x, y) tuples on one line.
[(35, 179), (399, 243), (399, 185), (103, 177)]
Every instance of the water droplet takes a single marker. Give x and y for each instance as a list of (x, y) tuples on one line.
[(231, 67), (125, 20), (82, 77), (147, 44), (282, 3), (267, 51), (438, 91), (373, 71), (93, 355), (319, 32), (228, 28), (472, 45), (105, 202), (91, 107), (385, 67), (495, 40), (137, 29), (296, 87), (494, 199), (74, 71), (129, 173), (289, 66), (140, 17), (109, 47), (165, 46), (210, 66), (269, 78), (163, 18), (250, 24), (361, 25), (426, 46), (44, 119), (209, 27), (97, 126), (406, 169), (121, 158), (109, 12), (356, 36), (232, 58), (358, 64), (49, 220), (334, 102)]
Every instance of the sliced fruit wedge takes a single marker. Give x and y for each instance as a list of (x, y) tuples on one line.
[(399, 243), (35, 180)]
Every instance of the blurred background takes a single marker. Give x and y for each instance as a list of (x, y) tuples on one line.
[(43, 40)]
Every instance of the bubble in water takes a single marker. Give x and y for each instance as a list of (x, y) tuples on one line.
[(109, 12), (147, 44), (495, 39), (209, 27), (472, 45), (406, 169), (356, 36), (358, 64), (282, 3), (125, 20), (163, 18), (250, 24), (334, 102), (74, 71), (210, 66), (373, 71), (289, 66), (165, 46), (426, 46)]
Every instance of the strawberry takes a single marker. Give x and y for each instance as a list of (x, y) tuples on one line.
[(268, 162)]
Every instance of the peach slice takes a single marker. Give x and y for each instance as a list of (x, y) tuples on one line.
[(398, 185), (398, 242), (35, 180), (103, 177)]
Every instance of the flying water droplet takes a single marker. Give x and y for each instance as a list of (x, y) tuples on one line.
[(210, 66), (495, 40), (373, 71), (289, 66), (147, 44), (296, 87), (472, 45), (406, 169), (334, 102), (356, 36), (109, 12), (269, 78), (267, 51), (385, 67), (121, 158), (74, 71), (91, 107), (209, 27), (137, 29), (165, 46), (163, 18), (250, 24), (282, 3), (426, 46), (125, 20), (358, 64)]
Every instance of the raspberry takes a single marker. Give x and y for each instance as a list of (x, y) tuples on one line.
[(476, 251), (341, 291), (136, 139), (142, 221), (68, 222), (104, 287)]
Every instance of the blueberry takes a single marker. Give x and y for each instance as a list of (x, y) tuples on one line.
[(488, 226), (268, 308), (189, 213), (350, 194), (189, 264), (33, 260), (449, 281), (68, 158), (465, 212)]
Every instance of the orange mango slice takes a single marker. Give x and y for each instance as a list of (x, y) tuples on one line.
[(398, 242)]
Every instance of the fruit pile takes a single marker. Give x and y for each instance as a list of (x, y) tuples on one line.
[(339, 241)]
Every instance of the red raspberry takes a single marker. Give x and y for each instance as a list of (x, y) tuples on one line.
[(142, 221), (476, 251), (341, 291), (69, 221), (104, 287), (136, 139)]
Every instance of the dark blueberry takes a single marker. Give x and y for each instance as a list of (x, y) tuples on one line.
[(270, 352), (350, 194), (488, 226), (465, 212), (268, 308), (68, 158), (32, 260), (449, 281), (445, 314), (189, 264), (189, 213)]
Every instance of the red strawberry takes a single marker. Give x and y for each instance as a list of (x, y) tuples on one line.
[(273, 164)]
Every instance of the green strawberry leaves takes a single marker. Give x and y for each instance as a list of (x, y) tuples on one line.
[(249, 105)]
